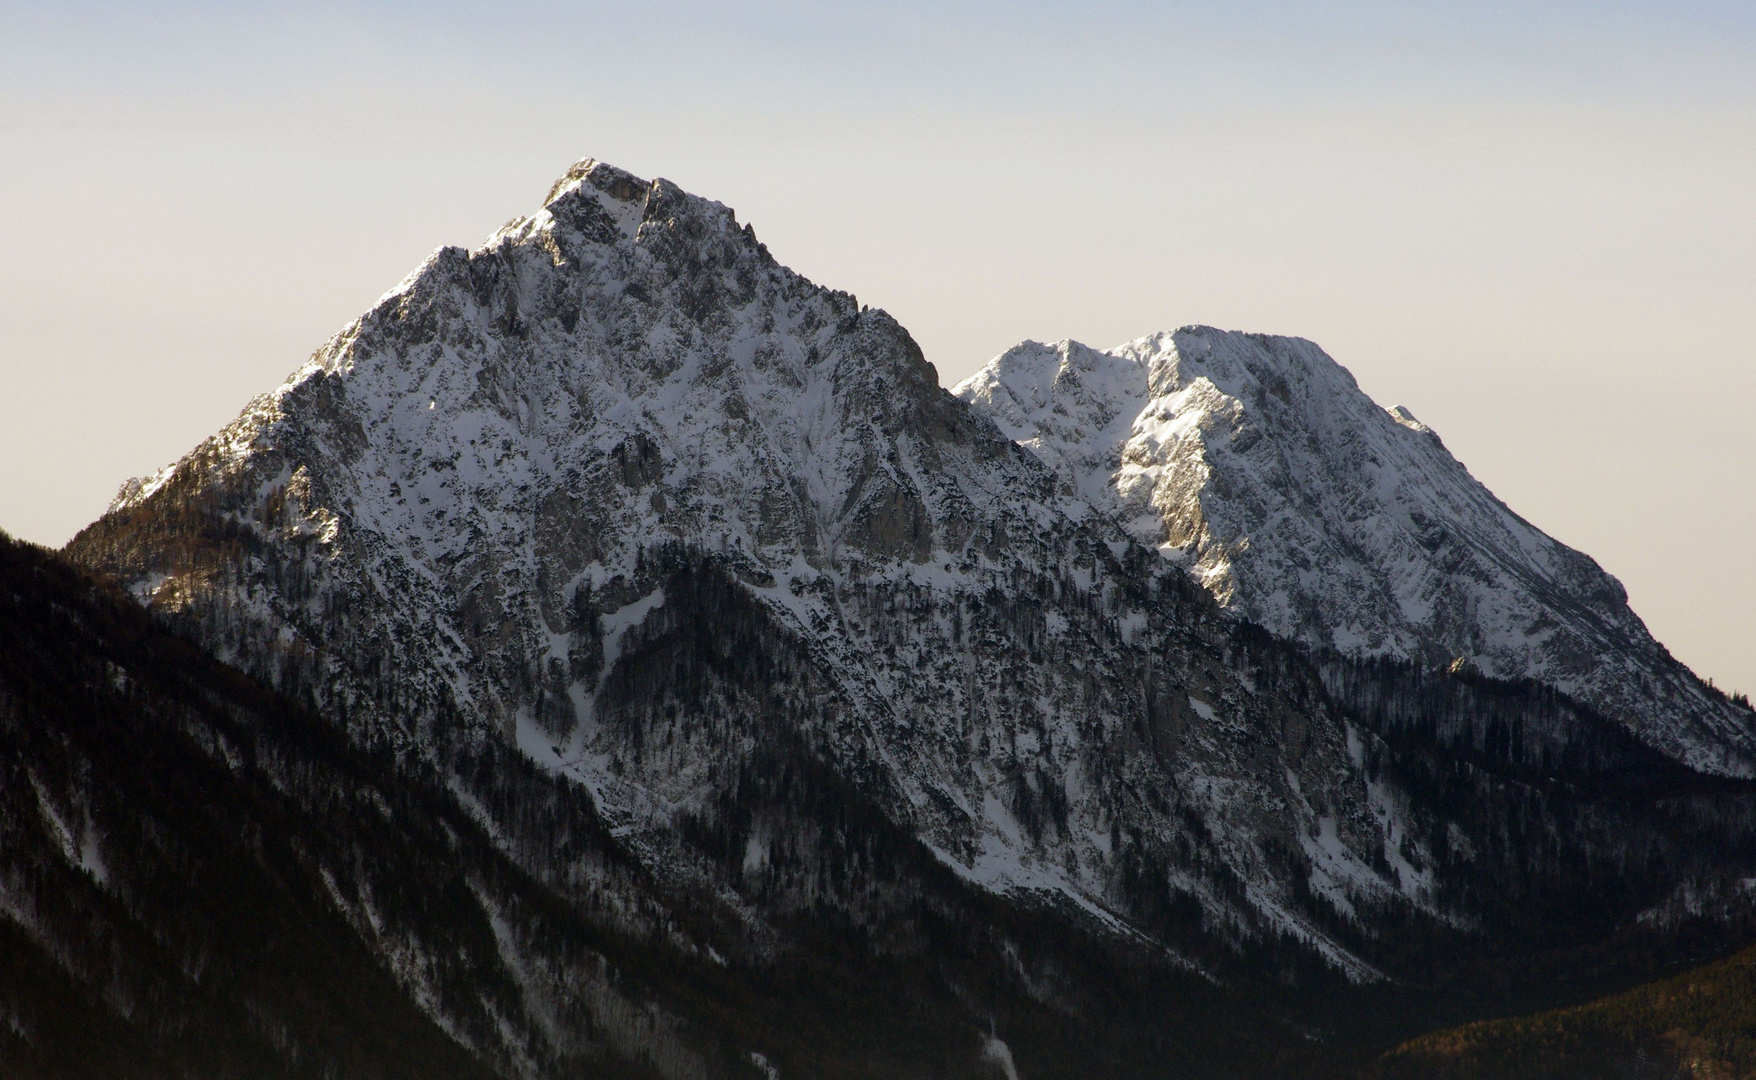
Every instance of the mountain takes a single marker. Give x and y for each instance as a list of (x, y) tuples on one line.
[(652, 554), (455, 520), (1258, 463)]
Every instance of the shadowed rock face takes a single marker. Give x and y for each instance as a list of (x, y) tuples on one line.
[(617, 497), (1259, 464)]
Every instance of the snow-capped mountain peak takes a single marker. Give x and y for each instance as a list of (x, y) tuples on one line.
[(1298, 502), (468, 509), (680, 581)]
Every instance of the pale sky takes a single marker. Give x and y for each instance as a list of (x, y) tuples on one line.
[(1533, 225)]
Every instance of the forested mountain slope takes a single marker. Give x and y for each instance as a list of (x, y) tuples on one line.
[(200, 879), (1700, 1024)]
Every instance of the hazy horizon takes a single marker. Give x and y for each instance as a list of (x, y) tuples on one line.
[(1532, 227)]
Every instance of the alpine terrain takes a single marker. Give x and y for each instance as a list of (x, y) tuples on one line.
[(755, 707), (1259, 464)]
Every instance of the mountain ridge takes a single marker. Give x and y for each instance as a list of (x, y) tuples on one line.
[(829, 445), (614, 524)]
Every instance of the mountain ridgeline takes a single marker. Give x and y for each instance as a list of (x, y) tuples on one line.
[(761, 708)]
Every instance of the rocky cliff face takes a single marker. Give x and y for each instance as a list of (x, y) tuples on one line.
[(618, 505), (1259, 464)]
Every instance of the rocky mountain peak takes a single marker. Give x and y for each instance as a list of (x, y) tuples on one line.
[(464, 515), (618, 184), (619, 494), (1259, 464), (749, 654)]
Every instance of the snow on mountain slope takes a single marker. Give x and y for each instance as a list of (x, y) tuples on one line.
[(1259, 464), (468, 512), (779, 664)]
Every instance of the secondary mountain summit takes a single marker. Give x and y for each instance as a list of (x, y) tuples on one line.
[(1258, 463)]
